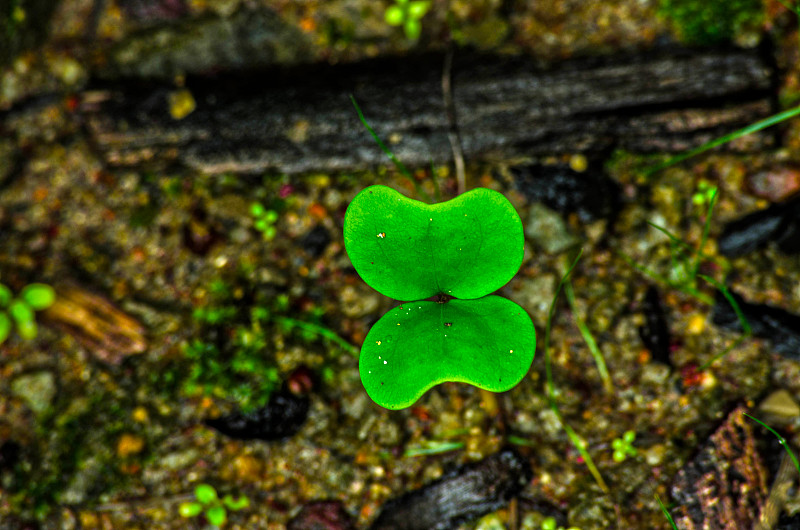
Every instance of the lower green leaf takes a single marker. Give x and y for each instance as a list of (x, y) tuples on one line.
[(488, 342)]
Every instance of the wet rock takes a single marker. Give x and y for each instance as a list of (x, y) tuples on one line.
[(590, 194), (654, 332), (774, 184), (548, 230), (780, 223), (316, 241), (281, 418), (36, 389), (322, 515), (779, 326), (725, 485), (464, 494)]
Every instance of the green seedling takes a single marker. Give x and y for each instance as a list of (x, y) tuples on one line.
[(407, 13), (459, 251), (208, 502), (623, 447), (549, 523), (264, 220), (21, 310)]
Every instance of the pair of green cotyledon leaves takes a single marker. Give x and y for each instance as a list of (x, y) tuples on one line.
[(459, 252)]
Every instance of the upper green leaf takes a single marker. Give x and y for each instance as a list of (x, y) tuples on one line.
[(38, 295), (489, 343), (467, 247)]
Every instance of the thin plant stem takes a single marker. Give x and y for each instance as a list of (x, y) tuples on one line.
[(704, 237), (666, 513), (399, 165), (452, 124), (319, 330), (739, 314), (753, 127), (576, 440), (608, 386), (780, 438), (686, 289)]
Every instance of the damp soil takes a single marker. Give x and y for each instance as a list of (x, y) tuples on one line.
[(197, 339)]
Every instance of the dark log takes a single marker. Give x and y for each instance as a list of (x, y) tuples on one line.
[(296, 121)]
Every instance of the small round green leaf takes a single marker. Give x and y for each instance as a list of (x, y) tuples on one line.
[(418, 8), (189, 509), (38, 295), (236, 504), (467, 247), (257, 209), (489, 343), (394, 15), (216, 515), (5, 296), (205, 493), (20, 311), (412, 28), (27, 329), (5, 327)]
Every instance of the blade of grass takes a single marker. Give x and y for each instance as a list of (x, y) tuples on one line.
[(781, 439), (753, 127), (576, 440), (400, 167), (608, 386), (689, 290), (742, 320), (683, 244), (433, 447), (666, 513), (319, 330)]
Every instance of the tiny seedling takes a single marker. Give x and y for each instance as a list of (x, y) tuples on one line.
[(407, 13), (20, 310), (264, 220), (550, 523), (208, 502), (459, 251), (623, 447)]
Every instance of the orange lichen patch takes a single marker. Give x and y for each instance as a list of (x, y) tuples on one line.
[(206, 402), (308, 24), (303, 271), (40, 194), (129, 444), (317, 211), (643, 357)]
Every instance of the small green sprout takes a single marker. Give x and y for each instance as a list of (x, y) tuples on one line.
[(407, 13), (263, 220), (34, 297), (705, 193), (460, 252), (623, 448), (549, 523), (208, 502)]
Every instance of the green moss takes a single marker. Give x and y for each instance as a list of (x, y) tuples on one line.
[(711, 21)]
